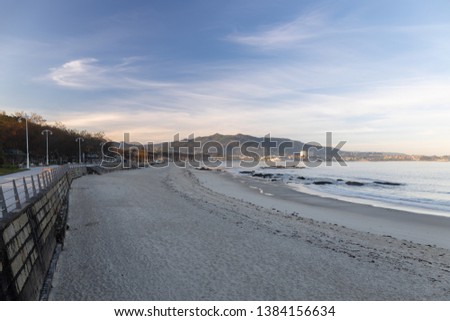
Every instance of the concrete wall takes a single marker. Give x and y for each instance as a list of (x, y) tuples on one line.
[(28, 240)]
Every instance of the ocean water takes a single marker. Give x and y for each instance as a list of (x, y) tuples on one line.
[(423, 187)]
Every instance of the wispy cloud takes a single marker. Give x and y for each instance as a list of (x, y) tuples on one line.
[(81, 73), (89, 74), (284, 34)]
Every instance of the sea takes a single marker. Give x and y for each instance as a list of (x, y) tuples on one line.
[(419, 187)]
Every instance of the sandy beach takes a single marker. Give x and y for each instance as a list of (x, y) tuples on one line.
[(184, 234)]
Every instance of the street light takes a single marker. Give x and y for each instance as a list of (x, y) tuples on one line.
[(79, 140), (46, 132), (26, 117)]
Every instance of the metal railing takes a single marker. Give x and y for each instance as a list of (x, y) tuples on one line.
[(16, 193)]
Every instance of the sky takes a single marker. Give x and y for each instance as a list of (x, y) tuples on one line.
[(374, 73)]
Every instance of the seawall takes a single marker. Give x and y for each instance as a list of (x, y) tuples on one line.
[(28, 238)]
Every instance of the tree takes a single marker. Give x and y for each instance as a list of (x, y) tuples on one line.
[(2, 155), (62, 145)]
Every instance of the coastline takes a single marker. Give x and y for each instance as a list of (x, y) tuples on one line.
[(373, 203), (416, 227), (405, 186), (184, 234)]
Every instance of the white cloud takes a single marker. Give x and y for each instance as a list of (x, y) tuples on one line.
[(285, 34), (89, 74), (81, 73)]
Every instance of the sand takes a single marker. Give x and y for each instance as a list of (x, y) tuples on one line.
[(178, 234)]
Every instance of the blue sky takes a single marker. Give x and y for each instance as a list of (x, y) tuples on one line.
[(375, 73)]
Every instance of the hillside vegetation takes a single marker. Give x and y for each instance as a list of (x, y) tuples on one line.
[(62, 145)]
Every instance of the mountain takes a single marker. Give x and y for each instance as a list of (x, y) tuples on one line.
[(241, 144), (216, 145), (227, 140)]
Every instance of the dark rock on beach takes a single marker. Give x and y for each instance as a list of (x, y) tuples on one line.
[(387, 183), (354, 183), (262, 175), (322, 183)]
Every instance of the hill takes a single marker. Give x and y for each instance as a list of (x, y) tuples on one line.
[(296, 147)]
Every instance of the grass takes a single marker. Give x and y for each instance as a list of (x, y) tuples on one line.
[(9, 170)]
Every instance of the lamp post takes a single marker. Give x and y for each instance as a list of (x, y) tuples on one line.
[(101, 148), (26, 117), (79, 140), (46, 132)]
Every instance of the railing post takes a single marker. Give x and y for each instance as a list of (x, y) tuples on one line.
[(44, 179), (49, 178), (16, 195), (25, 188), (39, 183), (3, 207), (33, 186)]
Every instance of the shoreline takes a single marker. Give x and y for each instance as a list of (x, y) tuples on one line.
[(369, 202), (406, 193), (416, 227)]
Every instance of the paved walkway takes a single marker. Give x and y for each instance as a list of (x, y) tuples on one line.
[(19, 175)]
